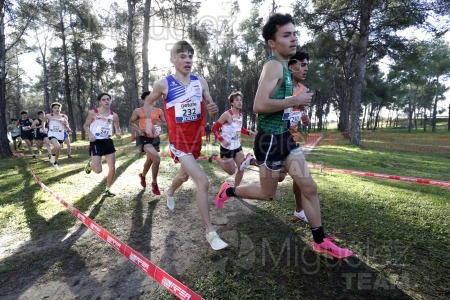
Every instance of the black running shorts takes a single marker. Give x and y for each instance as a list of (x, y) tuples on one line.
[(271, 150), (227, 153), (143, 140), (101, 147)]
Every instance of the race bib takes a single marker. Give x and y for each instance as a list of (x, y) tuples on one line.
[(25, 128), (56, 129), (104, 132), (157, 129), (43, 130), (187, 112)]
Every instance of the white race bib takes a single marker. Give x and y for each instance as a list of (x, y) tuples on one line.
[(104, 132), (187, 112)]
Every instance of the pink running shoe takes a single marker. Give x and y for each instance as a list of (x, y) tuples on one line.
[(143, 183), (328, 247), (221, 196), (155, 189)]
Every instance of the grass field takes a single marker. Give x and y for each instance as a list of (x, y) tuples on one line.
[(399, 231)]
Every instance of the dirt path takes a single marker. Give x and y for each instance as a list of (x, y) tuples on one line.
[(74, 263)]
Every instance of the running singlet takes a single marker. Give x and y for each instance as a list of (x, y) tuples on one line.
[(41, 129), (232, 132), (15, 131), (56, 127), (294, 113), (102, 126), (153, 117), (274, 123), (184, 111), (25, 125)]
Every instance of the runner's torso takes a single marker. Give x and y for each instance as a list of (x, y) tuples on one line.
[(184, 111), (25, 125), (273, 122), (102, 126), (56, 126), (156, 113), (232, 132)]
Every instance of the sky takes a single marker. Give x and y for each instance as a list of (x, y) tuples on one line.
[(211, 11)]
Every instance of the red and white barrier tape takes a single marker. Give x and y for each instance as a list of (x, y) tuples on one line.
[(167, 281)]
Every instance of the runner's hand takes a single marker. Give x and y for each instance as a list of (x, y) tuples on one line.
[(303, 99), (212, 108)]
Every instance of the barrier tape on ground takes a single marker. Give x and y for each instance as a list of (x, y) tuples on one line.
[(386, 176), (167, 281)]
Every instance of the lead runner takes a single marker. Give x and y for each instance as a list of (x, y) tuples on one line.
[(185, 98)]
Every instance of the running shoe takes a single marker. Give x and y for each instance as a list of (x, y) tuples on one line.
[(49, 156), (301, 215), (52, 159), (108, 193), (328, 247), (88, 167), (215, 241), (170, 200), (69, 156), (246, 162), (155, 189), (143, 183), (211, 158), (221, 196)]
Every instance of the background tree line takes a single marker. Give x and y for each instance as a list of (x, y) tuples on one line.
[(350, 39)]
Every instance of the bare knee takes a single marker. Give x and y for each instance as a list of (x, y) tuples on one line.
[(203, 183), (309, 189)]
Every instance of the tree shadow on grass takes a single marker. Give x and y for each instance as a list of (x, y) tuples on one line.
[(269, 258), (51, 242)]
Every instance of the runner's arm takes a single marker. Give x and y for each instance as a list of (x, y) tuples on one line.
[(117, 126)]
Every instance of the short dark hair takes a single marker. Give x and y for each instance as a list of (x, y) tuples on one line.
[(233, 96), (24, 112), (40, 112), (55, 104), (13, 119), (99, 97), (179, 47), (273, 23), (298, 56), (145, 94)]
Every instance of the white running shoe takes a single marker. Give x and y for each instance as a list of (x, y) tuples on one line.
[(215, 241), (56, 167), (301, 215), (170, 200), (52, 159), (246, 162)]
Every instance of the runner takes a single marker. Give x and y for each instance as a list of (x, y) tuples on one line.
[(99, 127), (67, 142), (57, 123), (14, 130), (185, 98), (149, 145), (298, 64), (230, 141), (41, 133), (274, 146), (26, 133)]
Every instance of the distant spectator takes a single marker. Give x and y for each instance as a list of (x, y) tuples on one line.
[(208, 132)]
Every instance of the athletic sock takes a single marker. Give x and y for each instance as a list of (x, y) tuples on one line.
[(318, 234), (231, 192)]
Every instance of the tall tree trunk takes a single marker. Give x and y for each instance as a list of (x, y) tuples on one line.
[(145, 38), (433, 118), (355, 132), (4, 142), (66, 71), (131, 59)]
